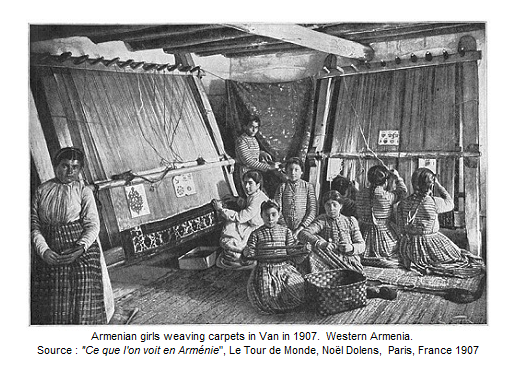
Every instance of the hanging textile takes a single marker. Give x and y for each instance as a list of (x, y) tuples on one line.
[(285, 110)]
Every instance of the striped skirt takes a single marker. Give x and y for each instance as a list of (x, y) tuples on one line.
[(381, 245), (321, 261), (275, 288), (72, 293), (436, 254)]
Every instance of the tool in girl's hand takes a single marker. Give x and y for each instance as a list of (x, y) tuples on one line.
[(295, 251)]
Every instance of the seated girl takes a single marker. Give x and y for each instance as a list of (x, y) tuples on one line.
[(275, 285), (240, 223), (348, 189), (375, 209), (422, 246), (296, 198), (336, 239)]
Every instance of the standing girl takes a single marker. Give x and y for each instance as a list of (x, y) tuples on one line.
[(67, 280), (296, 198)]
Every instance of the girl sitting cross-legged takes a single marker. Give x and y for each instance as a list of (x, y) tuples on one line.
[(275, 285)]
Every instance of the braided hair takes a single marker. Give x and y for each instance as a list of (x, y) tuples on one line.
[(377, 176), (423, 180)]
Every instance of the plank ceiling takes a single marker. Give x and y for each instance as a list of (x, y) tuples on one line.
[(236, 41)]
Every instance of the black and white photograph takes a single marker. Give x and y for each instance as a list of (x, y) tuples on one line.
[(283, 195), (253, 173)]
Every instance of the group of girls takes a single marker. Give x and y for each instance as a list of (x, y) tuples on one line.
[(386, 228)]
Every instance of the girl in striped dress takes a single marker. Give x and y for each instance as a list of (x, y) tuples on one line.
[(275, 285), (249, 155), (67, 271), (296, 199), (422, 246), (336, 239), (375, 208)]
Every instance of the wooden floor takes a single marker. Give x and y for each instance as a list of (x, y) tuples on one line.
[(158, 292)]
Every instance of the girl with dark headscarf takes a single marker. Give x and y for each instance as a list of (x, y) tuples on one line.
[(67, 281), (422, 246), (375, 209)]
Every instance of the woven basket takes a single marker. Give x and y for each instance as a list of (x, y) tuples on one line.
[(337, 290)]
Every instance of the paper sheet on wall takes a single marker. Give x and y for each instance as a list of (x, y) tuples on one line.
[(428, 163), (389, 137), (334, 168), (137, 201), (184, 185)]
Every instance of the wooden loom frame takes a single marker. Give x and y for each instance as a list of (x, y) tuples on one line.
[(318, 157), (64, 137)]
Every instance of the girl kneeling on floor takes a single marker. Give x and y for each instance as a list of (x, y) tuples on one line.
[(275, 285)]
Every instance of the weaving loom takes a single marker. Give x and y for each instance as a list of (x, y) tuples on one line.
[(155, 155)]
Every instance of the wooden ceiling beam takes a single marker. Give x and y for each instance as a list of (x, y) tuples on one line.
[(305, 37), (162, 32), (185, 40), (46, 32), (382, 34), (233, 44), (278, 48)]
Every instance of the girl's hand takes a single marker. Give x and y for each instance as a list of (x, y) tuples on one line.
[(331, 246), (321, 244), (394, 174), (72, 254), (296, 232), (229, 198), (51, 257), (265, 157), (346, 248), (217, 205)]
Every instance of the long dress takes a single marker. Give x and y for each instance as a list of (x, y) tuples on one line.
[(238, 227), (376, 225), (425, 249), (247, 152), (275, 285), (337, 230), (64, 216), (297, 201)]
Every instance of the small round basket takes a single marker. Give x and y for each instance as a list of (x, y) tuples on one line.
[(337, 290)]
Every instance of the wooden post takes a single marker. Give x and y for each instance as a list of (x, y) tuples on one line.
[(469, 126), (38, 147), (320, 130)]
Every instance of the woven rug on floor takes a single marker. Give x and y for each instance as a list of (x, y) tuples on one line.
[(410, 280)]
